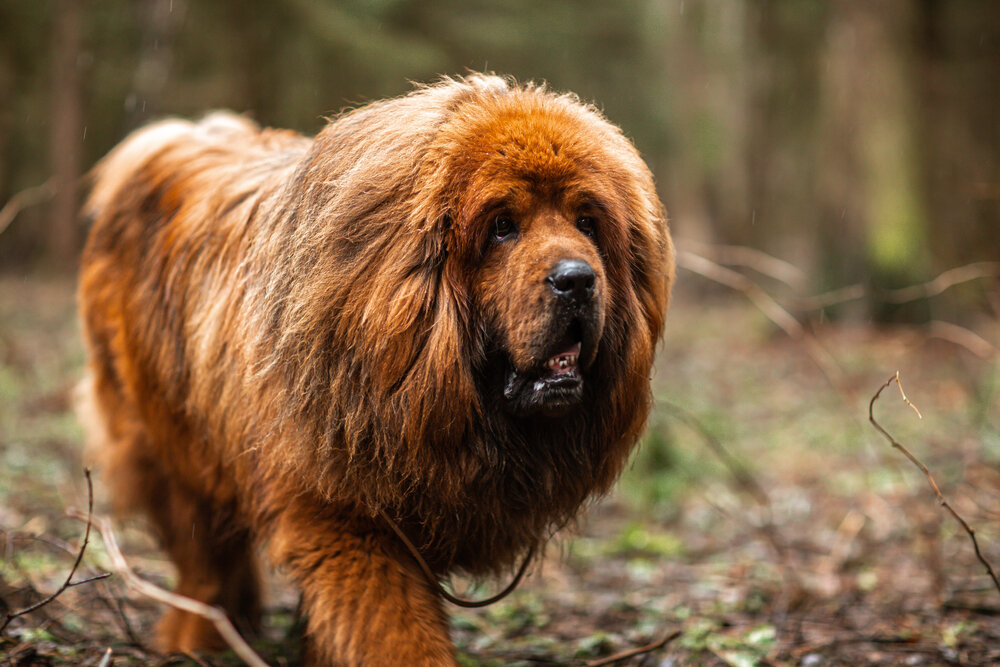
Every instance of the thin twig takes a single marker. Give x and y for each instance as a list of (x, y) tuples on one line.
[(757, 260), (23, 199), (111, 601), (767, 305), (961, 336), (743, 477), (214, 614), (934, 287), (617, 657), (96, 577), (927, 473), (68, 583), (904, 397)]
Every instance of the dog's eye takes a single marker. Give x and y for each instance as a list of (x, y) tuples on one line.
[(503, 227), (586, 224)]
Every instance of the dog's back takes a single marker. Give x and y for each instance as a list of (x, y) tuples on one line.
[(169, 207)]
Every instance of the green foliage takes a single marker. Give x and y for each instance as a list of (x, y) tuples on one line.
[(639, 539), (747, 650), (953, 634)]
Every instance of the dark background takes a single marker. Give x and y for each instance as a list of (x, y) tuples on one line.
[(858, 140)]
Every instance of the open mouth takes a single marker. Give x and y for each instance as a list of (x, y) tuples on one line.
[(564, 362), (552, 390)]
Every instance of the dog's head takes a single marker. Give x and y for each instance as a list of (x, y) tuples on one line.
[(534, 215), (552, 218)]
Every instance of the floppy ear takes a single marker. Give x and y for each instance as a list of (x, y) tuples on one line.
[(653, 259), (413, 339), (365, 353)]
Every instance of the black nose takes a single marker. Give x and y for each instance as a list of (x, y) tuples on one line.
[(572, 279)]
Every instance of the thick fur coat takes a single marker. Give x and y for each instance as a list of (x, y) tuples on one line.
[(442, 309)]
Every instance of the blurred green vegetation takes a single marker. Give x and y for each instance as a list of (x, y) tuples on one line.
[(857, 140)]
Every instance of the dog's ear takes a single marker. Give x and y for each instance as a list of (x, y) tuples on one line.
[(412, 359), (416, 325), (369, 338), (652, 253)]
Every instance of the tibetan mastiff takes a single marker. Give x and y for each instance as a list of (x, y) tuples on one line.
[(438, 314)]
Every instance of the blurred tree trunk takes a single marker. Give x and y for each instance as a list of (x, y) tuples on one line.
[(960, 96), (873, 222), (67, 132), (158, 23), (781, 62), (6, 124), (895, 206), (698, 54)]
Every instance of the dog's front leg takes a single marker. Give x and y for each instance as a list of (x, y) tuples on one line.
[(366, 601)]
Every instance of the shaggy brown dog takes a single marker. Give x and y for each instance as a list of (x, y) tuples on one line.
[(442, 309)]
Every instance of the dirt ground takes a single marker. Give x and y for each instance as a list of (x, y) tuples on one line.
[(812, 542)]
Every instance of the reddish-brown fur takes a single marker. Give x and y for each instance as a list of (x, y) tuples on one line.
[(289, 337)]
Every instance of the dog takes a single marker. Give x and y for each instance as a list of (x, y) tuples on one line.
[(438, 315)]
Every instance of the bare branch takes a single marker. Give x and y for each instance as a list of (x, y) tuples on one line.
[(927, 473), (832, 298), (938, 285), (962, 337), (68, 583), (618, 657), (757, 260), (946, 280), (190, 605), (767, 305), (24, 199)]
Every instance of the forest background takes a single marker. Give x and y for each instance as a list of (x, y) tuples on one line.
[(832, 176), (858, 139)]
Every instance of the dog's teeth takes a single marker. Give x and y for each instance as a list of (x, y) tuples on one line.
[(562, 363)]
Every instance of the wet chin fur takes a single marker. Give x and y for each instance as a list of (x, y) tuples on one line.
[(549, 394)]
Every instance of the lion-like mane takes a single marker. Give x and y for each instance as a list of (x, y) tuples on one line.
[(310, 309)]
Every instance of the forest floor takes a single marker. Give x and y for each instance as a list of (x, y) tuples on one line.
[(812, 543)]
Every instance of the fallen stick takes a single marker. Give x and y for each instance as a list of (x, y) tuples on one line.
[(617, 657), (184, 603)]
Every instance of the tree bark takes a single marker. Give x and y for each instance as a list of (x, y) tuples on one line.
[(67, 132)]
